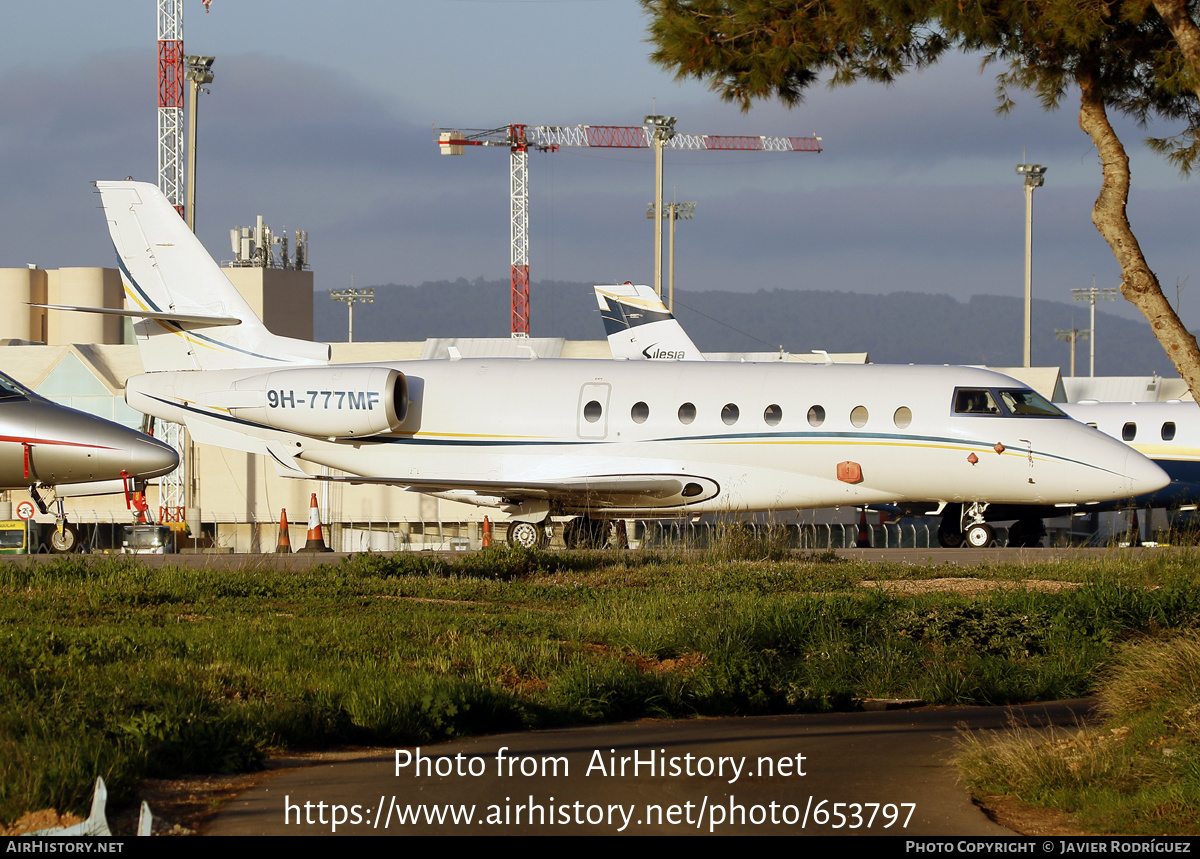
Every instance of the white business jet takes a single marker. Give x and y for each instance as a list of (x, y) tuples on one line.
[(599, 440), (640, 327), (1167, 433)]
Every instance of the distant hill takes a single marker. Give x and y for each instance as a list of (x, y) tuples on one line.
[(898, 328)]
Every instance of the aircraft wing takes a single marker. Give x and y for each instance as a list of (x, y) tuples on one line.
[(664, 485), (592, 492)]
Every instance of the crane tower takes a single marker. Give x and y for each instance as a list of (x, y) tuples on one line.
[(170, 101), (549, 138)]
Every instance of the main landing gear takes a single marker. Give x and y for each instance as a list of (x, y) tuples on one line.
[(530, 535), (583, 532), (966, 525)]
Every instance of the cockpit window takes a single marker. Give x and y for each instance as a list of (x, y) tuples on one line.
[(1029, 404), (1020, 402), (11, 389), (974, 401)]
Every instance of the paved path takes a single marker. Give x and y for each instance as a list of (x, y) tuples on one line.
[(889, 758)]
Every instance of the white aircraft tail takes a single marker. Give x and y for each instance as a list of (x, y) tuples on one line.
[(190, 317), (640, 327)]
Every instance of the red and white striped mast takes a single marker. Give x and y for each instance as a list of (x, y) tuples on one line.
[(170, 102)]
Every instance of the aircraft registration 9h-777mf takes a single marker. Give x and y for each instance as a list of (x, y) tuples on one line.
[(46, 446), (598, 440)]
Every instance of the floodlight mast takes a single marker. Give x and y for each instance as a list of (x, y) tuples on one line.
[(1072, 336), (349, 296), (199, 72), (674, 211), (549, 138), (1035, 177), (1092, 295)]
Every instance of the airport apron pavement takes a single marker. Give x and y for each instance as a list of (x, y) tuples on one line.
[(880, 773)]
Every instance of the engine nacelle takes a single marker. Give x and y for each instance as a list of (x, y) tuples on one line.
[(328, 402)]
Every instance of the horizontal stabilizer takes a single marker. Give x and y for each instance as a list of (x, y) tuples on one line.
[(194, 320)]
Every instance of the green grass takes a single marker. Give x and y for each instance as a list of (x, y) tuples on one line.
[(108, 668), (1137, 772)]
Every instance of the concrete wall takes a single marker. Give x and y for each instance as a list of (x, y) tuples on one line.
[(19, 287), (85, 287), (282, 298)]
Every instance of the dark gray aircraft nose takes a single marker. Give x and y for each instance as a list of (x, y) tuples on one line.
[(149, 457), (70, 447)]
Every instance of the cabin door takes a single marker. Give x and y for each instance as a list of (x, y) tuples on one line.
[(593, 410)]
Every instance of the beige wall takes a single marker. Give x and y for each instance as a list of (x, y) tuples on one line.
[(85, 287), (282, 298), (19, 287)]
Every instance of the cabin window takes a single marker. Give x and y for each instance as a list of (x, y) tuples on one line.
[(592, 411), (974, 401), (816, 416), (773, 415), (1129, 431), (858, 417), (640, 412), (903, 417), (1168, 431), (687, 413), (729, 414)]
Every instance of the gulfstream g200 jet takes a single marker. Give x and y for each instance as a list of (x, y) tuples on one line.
[(593, 439)]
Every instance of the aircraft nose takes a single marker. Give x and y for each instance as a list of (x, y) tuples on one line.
[(1143, 475), (149, 457)]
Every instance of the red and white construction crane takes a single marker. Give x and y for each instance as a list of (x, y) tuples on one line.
[(171, 76), (175, 488), (170, 102), (658, 133)]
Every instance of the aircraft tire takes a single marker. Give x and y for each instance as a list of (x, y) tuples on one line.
[(598, 532), (979, 536), (64, 543), (528, 535), (1026, 534), (575, 533), (949, 539)]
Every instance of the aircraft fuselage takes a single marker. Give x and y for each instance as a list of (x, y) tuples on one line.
[(628, 438)]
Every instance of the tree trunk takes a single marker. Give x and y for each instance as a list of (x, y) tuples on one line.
[(1138, 283), (1174, 13)]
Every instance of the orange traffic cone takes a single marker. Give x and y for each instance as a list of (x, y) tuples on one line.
[(284, 545), (316, 540), (864, 537), (486, 540)]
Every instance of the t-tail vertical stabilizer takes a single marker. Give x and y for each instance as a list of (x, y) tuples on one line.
[(190, 316), (639, 326)]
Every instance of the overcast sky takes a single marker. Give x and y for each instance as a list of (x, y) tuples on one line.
[(321, 117)]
